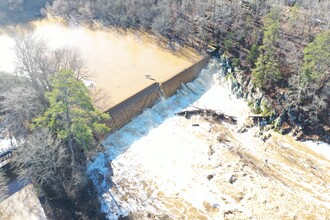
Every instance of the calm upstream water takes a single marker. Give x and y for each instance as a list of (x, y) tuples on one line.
[(117, 61), (165, 166)]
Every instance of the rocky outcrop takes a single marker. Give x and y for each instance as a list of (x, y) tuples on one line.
[(265, 113), (276, 113)]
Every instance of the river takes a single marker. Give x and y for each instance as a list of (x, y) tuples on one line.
[(165, 166)]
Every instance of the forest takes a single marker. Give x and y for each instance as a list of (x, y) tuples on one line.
[(282, 45)]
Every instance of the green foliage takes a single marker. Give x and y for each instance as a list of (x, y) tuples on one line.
[(253, 54), (236, 62), (254, 108), (267, 66), (265, 110), (229, 42), (266, 71), (294, 15), (317, 60), (71, 114)]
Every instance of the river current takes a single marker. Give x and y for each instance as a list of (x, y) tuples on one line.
[(165, 166)]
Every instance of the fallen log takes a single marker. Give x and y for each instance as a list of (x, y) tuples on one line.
[(208, 114)]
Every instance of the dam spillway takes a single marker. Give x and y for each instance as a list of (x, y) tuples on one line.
[(125, 111), (165, 166)]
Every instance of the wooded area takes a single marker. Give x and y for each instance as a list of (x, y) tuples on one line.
[(48, 108)]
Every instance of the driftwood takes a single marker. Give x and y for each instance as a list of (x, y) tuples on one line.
[(209, 115)]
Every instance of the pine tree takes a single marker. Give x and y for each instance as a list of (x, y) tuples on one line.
[(316, 67), (71, 114), (267, 66)]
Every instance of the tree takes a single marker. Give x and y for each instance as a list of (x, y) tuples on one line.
[(316, 67), (253, 55), (18, 104), (314, 80), (267, 67), (37, 63), (71, 114), (43, 160)]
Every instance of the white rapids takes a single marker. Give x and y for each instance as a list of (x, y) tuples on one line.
[(169, 167)]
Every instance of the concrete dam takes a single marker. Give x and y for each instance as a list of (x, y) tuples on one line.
[(126, 110)]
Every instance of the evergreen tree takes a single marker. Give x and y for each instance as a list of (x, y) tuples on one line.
[(316, 67), (71, 114), (267, 66), (253, 55)]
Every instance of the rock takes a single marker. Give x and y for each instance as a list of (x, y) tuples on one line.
[(229, 212), (222, 138), (285, 128), (210, 151), (267, 127), (265, 137), (164, 217), (232, 179), (209, 177), (239, 94), (210, 208), (150, 216), (300, 136), (243, 129), (239, 197)]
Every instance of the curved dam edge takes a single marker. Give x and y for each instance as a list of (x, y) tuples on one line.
[(125, 111)]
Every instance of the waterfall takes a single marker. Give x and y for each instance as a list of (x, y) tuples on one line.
[(166, 166), (188, 96)]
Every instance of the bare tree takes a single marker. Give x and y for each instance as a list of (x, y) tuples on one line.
[(20, 105), (69, 58), (38, 63), (43, 160)]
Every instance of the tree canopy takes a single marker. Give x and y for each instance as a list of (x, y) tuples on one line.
[(71, 114), (267, 66), (317, 60)]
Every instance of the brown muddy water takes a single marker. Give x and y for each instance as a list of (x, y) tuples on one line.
[(120, 63)]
